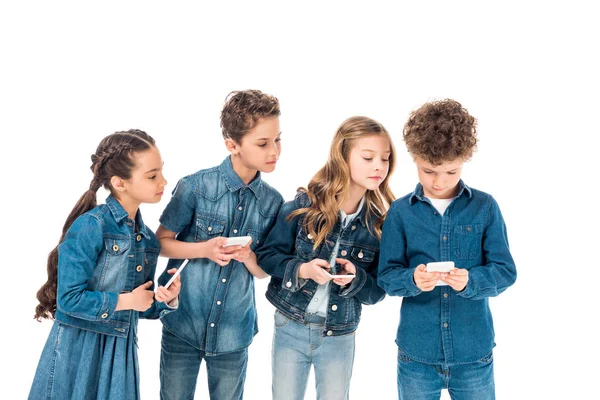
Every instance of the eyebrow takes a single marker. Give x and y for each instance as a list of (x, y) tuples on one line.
[(373, 151), (155, 169), (264, 138)]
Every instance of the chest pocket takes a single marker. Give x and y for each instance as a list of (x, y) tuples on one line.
[(208, 227), (116, 247), (304, 245), (362, 257), (467, 241)]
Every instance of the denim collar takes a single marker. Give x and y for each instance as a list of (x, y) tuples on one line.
[(119, 214), (418, 194), (234, 182)]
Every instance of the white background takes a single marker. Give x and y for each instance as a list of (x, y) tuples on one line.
[(73, 72)]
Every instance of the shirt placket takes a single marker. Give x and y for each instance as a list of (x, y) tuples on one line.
[(445, 254), (224, 279)]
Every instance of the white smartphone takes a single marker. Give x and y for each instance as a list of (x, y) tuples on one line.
[(443, 266), (348, 276), (176, 274), (238, 241)]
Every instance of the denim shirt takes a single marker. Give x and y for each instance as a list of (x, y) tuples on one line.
[(443, 325), (217, 311), (101, 256), (288, 246)]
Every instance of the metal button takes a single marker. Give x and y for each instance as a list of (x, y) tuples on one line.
[(235, 231), (316, 299), (240, 208), (209, 228), (129, 223), (138, 268), (309, 236), (435, 213), (139, 238), (288, 284), (468, 229), (212, 324), (329, 333), (218, 302), (445, 324), (361, 255), (104, 315), (257, 241), (445, 238), (343, 252), (115, 248), (445, 295), (353, 227), (334, 307), (223, 280)]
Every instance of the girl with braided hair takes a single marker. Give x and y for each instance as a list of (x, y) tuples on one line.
[(100, 278)]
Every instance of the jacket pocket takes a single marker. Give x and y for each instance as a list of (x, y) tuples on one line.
[(305, 245), (467, 241), (208, 227)]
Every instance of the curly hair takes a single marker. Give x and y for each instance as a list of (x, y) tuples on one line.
[(330, 186), (441, 131), (243, 109)]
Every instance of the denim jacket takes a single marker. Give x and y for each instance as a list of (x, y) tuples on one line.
[(288, 246), (100, 257), (443, 325), (217, 311)]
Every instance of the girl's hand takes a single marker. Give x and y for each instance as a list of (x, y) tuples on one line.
[(243, 253), (214, 250), (140, 299), (457, 279), (347, 269), (315, 270), (425, 280), (166, 295)]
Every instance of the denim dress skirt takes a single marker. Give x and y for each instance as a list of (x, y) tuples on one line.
[(80, 364)]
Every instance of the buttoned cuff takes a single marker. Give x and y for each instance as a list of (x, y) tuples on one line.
[(291, 281), (357, 283), (109, 306)]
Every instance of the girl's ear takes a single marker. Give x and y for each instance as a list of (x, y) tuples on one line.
[(232, 146), (117, 183)]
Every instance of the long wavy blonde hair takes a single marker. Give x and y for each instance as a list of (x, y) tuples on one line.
[(329, 188)]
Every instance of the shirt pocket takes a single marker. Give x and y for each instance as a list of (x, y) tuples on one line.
[(305, 245), (467, 241), (208, 227), (114, 274), (150, 261)]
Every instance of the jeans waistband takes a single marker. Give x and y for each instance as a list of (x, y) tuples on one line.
[(314, 319)]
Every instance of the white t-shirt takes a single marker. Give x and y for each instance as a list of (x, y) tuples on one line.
[(440, 204)]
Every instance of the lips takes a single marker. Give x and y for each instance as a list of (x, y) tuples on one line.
[(159, 194)]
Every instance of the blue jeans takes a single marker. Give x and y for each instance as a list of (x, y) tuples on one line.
[(297, 346), (419, 381), (180, 363)]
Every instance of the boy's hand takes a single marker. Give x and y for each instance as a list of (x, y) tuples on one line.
[(315, 270), (347, 268), (166, 295), (242, 253), (425, 280), (457, 279), (214, 250)]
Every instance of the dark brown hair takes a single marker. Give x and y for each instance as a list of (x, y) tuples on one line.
[(441, 131), (113, 157), (243, 109)]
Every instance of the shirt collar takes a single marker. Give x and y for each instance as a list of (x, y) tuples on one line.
[(119, 214), (234, 182), (418, 193), (359, 214)]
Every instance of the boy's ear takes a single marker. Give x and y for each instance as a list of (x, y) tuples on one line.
[(117, 183), (232, 146)]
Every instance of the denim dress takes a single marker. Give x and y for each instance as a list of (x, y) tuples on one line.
[(91, 352)]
